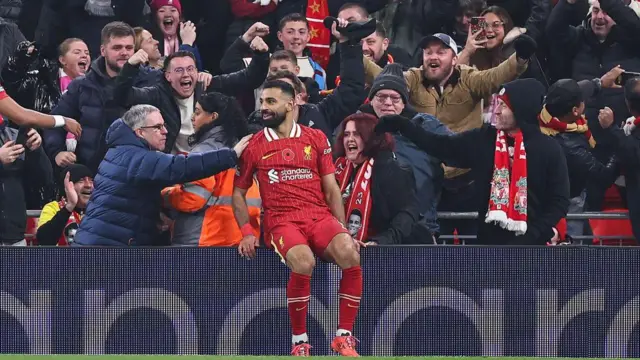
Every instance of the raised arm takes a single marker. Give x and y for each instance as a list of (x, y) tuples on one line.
[(166, 169), (457, 149), (233, 59), (247, 79), (559, 31), (25, 117), (626, 19), (537, 20), (128, 95), (350, 93), (487, 82)]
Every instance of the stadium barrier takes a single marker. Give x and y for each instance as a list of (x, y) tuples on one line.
[(579, 240), (418, 300)]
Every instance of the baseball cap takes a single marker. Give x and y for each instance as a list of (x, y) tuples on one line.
[(443, 38), (563, 95)]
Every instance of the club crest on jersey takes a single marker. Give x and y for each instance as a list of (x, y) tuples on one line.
[(288, 155), (307, 152)]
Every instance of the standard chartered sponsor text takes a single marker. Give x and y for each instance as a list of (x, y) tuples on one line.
[(296, 174)]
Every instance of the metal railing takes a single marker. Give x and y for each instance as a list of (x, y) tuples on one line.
[(580, 239), (474, 215), (581, 216)]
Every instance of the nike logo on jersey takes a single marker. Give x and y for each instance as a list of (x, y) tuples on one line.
[(302, 308), (266, 156)]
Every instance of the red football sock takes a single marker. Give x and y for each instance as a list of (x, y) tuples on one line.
[(298, 294), (349, 295)]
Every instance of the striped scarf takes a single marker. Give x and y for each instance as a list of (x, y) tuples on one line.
[(551, 126)]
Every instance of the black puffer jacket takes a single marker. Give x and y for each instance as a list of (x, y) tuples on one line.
[(578, 49), (547, 180), (583, 166), (89, 99)]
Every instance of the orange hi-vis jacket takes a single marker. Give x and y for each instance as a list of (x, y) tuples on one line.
[(205, 216)]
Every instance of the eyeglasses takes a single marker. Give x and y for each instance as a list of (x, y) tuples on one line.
[(157, 127), (181, 70), (496, 25), (382, 98)]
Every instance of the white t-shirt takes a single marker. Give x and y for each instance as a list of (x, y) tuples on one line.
[(306, 70), (186, 127)]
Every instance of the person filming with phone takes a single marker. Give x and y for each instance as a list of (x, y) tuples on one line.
[(490, 42), (23, 165)]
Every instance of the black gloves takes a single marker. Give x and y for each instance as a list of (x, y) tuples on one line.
[(393, 123), (525, 46)]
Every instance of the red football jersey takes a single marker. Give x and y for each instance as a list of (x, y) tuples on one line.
[(3, 94), (289, 173)]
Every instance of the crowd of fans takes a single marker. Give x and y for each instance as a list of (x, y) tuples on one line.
[(429, 100)]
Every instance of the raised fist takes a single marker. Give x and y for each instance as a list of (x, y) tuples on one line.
[(140, 57)]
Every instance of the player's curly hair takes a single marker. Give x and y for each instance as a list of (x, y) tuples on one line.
[(373, 143), (230, 117)]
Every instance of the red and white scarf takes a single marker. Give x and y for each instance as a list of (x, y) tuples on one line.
[(359, 200), (508, 197)]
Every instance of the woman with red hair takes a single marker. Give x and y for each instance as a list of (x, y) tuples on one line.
[(368, 174)]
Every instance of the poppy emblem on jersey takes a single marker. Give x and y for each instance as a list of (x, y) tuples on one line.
[(288, 155), (307, 152)]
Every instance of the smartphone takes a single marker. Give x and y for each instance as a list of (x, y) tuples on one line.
[(477, 24), (22, 137), (622, 79)]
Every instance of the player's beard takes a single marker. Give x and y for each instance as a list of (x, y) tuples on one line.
[(275, 121)]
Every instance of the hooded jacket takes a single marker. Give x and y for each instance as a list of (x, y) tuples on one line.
[(547, 177), (125, 205)]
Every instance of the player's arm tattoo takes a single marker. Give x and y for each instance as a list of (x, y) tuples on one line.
[(239, 205)]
